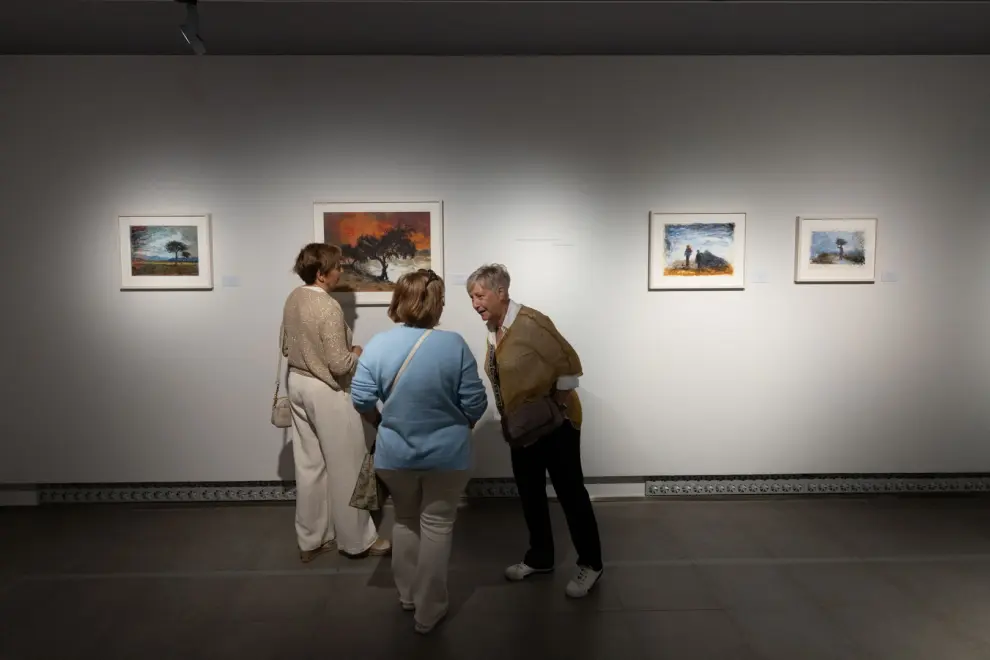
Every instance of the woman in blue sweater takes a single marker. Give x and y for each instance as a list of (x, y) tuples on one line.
[(423, 449)]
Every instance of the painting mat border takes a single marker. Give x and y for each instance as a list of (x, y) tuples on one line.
[(738, 277), (801, 218), (435, 207), (202, 282)]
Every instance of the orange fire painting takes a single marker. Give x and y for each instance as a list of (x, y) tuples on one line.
[(378, 247)]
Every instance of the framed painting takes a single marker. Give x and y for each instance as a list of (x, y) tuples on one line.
[(381, 241), (836, 249), (165, 252), (697, 251)]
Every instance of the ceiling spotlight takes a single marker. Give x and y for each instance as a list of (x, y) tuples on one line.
[(190, 29)]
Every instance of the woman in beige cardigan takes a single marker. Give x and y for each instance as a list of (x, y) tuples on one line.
[(328, 444)]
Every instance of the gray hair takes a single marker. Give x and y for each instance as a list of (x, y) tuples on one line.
[(491, 277)]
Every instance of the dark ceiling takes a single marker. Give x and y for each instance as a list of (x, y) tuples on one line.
[(508, 27)]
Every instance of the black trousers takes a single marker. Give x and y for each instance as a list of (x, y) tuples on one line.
[(558, 453)]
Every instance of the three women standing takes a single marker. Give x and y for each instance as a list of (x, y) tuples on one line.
[(432, 397)]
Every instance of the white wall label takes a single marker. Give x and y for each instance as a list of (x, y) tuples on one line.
[(889, 276), (457, 279), (761, 277), (231, 281)]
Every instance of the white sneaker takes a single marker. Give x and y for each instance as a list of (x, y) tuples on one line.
[(522, 570), (426, 630), (583, 582)]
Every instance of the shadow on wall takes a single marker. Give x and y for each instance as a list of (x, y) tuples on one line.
[(605, 423), (491, 453), (286, 462), (348, 301)]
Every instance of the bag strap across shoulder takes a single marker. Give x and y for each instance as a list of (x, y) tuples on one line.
[(278, 369), (409, 357)]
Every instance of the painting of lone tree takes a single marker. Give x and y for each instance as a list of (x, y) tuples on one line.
[(165, 252), (836, 249), (696, 250), (381, 243)]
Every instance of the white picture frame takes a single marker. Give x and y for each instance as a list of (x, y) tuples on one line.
[(821, 254), (421, 246), (146, 265), (678, 240)]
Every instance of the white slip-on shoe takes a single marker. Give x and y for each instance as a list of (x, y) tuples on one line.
[(423, 629), (583, 582), (522, 570)]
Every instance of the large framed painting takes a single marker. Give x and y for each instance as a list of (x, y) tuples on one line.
[(836, 249), (697, 251), (165, 252), (381, 241)]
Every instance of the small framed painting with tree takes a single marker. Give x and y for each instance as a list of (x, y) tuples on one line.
[(833, 248), (381, 241), (165, 252)]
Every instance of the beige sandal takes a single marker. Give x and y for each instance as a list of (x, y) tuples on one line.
[(380, 548), (307, 556)]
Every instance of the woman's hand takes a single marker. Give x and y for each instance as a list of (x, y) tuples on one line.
[(372, 417), (357, 350)]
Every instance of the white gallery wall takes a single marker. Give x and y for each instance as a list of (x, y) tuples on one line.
[(548, 165)]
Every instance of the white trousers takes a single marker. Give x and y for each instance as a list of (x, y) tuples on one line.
[(328, 448), (425, 510)]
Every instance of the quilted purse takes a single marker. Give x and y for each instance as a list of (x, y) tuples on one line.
[(281, 414), (531, 421)]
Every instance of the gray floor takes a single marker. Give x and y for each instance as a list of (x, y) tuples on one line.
[(736, 580)]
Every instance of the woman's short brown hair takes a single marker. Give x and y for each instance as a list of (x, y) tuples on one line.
[(316, 259), (417, 300)]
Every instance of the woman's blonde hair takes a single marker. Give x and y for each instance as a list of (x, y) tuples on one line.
[(316, 259), (417, 300)]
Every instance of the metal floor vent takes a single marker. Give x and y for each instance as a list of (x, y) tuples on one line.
[(677, 486)]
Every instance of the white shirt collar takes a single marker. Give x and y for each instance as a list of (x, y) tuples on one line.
[(510, 315)]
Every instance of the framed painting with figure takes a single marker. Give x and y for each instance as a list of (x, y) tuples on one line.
[(165, 252), (381, 241), (697, 251), (836, 249)]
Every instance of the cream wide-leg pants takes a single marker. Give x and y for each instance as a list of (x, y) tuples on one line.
[(425, 510), (328, 448)]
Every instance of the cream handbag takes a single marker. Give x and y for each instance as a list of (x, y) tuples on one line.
[(281, 415)]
